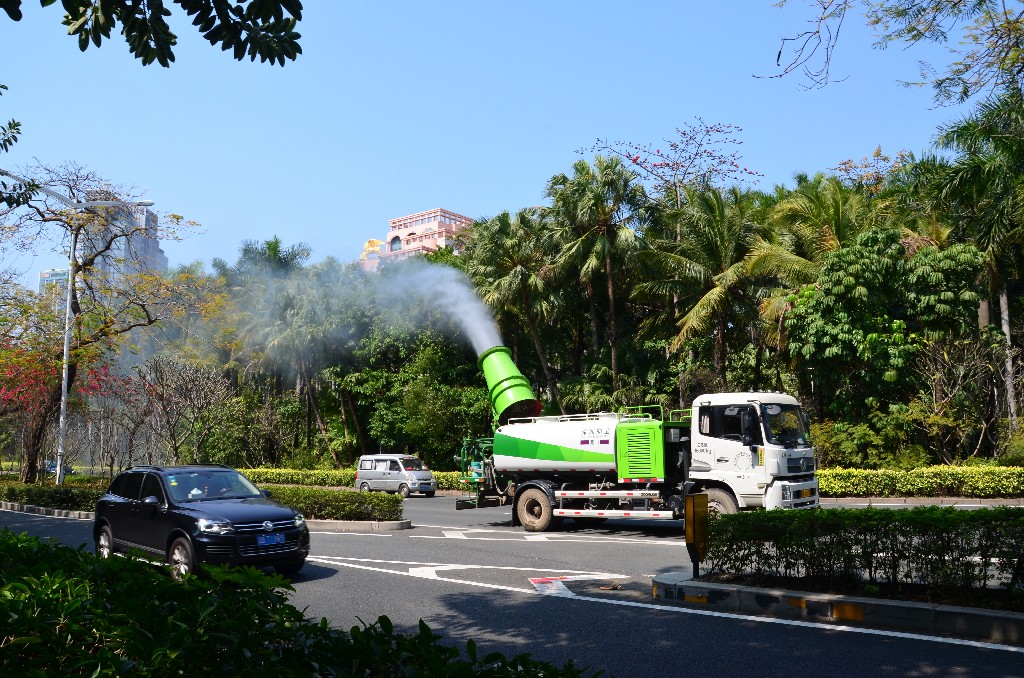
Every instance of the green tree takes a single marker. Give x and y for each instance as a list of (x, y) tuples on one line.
[(858, 328), (716, 235), (599, 210), (109, 301), (253, 28), (510, 259), (983, 187)]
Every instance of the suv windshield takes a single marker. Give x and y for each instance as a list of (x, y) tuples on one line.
[(210, 484), (784, 424)]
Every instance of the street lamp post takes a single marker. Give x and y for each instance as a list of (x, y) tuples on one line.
[(63, 424)]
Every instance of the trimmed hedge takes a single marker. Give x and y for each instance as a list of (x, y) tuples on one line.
[(311, 502), (939, 549), (62, 497), (346, 477), (68, 613), (320, 504), (931, 481)]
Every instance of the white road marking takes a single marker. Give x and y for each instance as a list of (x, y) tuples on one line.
[(449, 532), (429, 571), (353, 534)]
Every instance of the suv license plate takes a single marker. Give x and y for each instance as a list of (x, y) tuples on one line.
[(268, 539)]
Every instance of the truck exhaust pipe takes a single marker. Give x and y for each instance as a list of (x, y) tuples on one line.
[(510, 392)]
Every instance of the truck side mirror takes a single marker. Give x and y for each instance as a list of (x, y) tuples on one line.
[(747, 423)]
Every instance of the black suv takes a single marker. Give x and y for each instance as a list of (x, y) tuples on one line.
[(198, 514)]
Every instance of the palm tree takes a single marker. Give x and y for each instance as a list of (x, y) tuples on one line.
[(715, 241), (598, 211), (510, 260), (822, 214), (984, 188)]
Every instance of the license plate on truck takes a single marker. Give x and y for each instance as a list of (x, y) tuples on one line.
[(269, 539)]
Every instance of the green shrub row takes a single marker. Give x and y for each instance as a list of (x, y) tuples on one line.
[(939, 548), (321, 504), (311, 502), (67, 613), (346, 477), (929, 481), (62, 497)]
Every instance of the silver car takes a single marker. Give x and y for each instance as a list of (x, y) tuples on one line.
[(399, 473)]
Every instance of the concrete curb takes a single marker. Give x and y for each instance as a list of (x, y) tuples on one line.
[(993, 626), (43, 511), (314, 525)]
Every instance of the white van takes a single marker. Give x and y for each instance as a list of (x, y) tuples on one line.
[(399, 473)]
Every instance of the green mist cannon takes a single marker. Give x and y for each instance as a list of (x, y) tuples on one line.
[(511, 395)]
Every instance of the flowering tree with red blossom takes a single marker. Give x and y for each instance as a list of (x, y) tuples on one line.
[(112, 297), (702, 155)]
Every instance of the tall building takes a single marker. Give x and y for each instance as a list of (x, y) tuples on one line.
[(137, 252), (53, 277), (418, 233)]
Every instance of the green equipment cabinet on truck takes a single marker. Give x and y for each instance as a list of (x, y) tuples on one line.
[(745, 450)]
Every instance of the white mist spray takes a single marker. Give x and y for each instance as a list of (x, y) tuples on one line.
[(415, 285)]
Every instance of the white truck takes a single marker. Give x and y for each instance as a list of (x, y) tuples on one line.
[(751, 450), (745, 450)]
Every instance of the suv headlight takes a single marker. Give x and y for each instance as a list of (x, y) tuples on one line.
[(215, 526), (300, 520)]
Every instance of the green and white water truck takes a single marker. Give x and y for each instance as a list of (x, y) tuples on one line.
[(745, 450)]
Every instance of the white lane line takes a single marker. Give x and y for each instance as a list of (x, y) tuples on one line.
[(422, 574), (517, 535), (552, 539), (353, 534), (452, 534)]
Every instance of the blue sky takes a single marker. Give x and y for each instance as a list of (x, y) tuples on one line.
[(400, 107)]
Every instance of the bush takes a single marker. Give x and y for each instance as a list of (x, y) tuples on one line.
[(311, 502), (346, 477), (61, 497), (320, 504), (931, 481), (68, 613), (941, 549)]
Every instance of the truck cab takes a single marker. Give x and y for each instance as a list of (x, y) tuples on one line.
[(751, 450)]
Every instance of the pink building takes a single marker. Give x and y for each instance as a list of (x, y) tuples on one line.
[(415, 234)]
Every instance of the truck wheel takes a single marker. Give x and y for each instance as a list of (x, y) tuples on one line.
[(721, 502), (534, 510)]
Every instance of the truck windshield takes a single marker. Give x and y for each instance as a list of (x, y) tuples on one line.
[(784, 424)]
